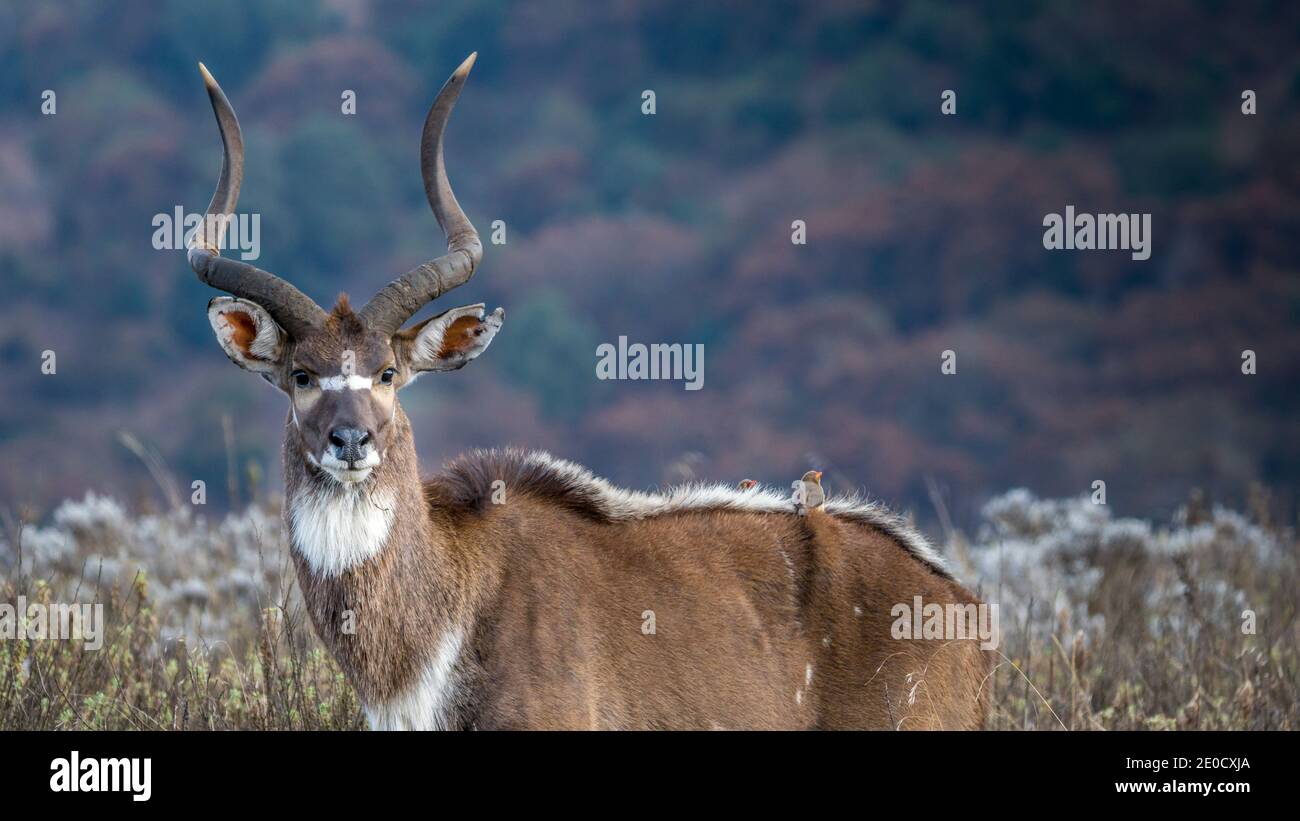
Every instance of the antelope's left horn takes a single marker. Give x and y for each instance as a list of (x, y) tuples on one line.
[(400, 299)]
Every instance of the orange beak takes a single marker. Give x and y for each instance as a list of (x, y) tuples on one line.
[(818, 474)]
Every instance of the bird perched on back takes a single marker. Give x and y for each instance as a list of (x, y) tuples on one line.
[(748, 484), (809, 494)]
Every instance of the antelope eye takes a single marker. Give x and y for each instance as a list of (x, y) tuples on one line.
[(300, 378), (387, 376)]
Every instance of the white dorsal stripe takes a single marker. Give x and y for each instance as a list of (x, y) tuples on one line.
[(618, 503), (350, 382)]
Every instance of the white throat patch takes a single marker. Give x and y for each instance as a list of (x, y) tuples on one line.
[(337, 528)]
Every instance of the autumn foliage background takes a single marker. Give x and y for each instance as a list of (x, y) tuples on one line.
[(924, 234)]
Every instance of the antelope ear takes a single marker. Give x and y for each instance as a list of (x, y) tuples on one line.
[(449, 340), (248, 334)]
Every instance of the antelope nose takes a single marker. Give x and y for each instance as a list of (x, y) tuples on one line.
[(350, 443)]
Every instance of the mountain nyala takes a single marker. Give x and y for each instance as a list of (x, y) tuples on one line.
[(519, 590)]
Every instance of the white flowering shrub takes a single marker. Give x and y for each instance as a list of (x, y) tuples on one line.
[(1119, 622), (1107, 622), (205, 578), (204, 625)]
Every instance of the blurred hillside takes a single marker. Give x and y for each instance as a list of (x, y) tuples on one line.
[(924, 234)]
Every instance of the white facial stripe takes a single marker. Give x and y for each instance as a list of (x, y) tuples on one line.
[(350, 382)]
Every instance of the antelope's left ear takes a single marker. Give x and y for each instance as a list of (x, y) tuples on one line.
[(449, 340)]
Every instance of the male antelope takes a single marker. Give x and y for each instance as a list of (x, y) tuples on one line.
[(536, 612)]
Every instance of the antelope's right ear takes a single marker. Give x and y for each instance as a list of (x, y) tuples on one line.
[(248, 334)]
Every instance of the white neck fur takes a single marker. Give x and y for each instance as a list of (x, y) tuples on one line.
[(337, 528)]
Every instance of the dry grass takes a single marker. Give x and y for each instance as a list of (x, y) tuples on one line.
[(1106, 624), (1121, 625), (196, 645)]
